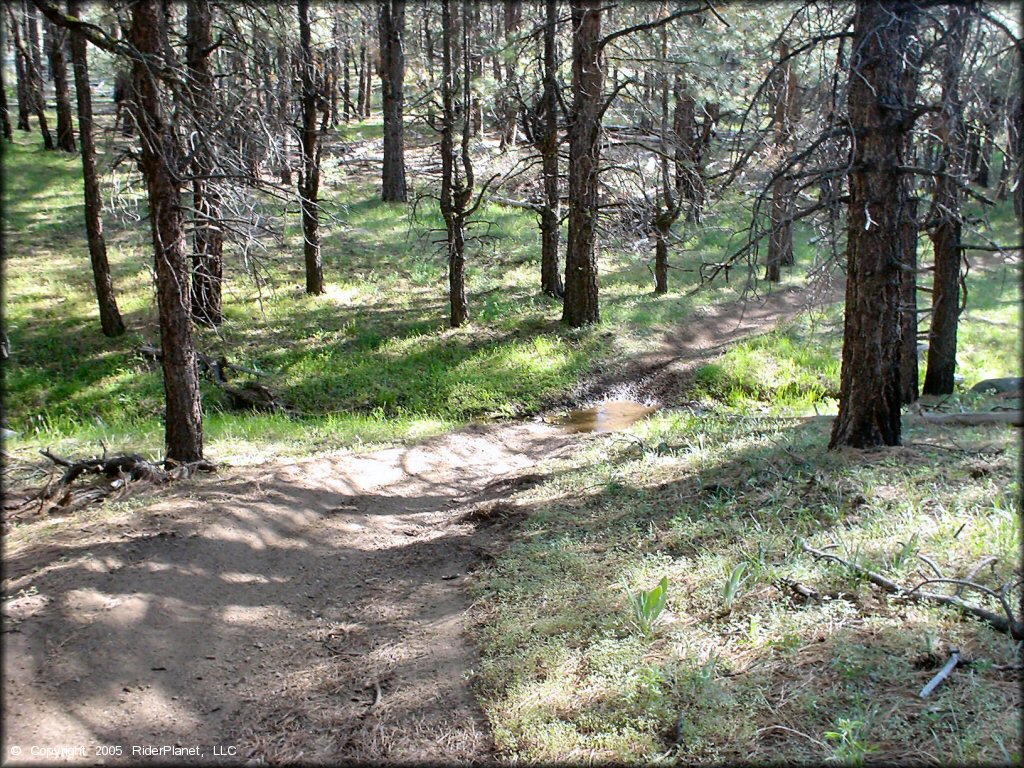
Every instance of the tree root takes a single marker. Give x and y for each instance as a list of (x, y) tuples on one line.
[(1007, 623), (120, 472)]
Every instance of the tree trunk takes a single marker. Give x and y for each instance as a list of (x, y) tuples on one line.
[(456, 178), (361, 86), (34, 67), (869, 395), (909, 376), (161, 162), (550, 274), (669, 199), (346, 83), (5, 114), (391, 25), (309, 182), (22, 91), (110, 317), (1017, 131), (208, 238), (122, 98), (508, 109), (284, 97), (661, 258), (55, 39), (780, 241), (945, 233), (471, 23), (580, 306)]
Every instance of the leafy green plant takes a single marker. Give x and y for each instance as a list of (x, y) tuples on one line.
[(733, 584), (647, 605), (907, 551), (850, 745)]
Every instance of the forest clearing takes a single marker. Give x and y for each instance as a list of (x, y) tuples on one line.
[(545, 382)]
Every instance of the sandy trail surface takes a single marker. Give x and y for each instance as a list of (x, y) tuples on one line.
[(311, 610)]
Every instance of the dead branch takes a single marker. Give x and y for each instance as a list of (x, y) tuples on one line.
[(1008, 623), (119, 472), (250, 394), (973, 418)]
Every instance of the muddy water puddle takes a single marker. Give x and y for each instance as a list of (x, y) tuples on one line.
[(606, 417)]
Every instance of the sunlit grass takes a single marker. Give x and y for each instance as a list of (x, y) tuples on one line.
[(565, 675)]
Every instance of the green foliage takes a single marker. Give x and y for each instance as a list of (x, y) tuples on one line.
[(848, 742), (733, 584), (647, 605)]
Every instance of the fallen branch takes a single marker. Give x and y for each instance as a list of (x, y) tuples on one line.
[(1016, 418), (954, 659), (1008, 623), (216, 367), (249, 394), (121, 471)]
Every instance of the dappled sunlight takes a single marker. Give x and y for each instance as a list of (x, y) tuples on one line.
[(755, 669)]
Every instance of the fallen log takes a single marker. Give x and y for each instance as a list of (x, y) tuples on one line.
[(249, 394), (972, 418), (1005, 385)]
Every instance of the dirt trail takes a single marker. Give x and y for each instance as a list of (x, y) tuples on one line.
[(310, 610), (664, 374)]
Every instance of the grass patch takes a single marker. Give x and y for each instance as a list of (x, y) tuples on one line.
[(744, 668), (369, 363)]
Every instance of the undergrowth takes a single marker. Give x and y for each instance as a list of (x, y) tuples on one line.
[(742, 666)]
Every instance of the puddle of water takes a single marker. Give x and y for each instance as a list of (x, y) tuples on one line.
[(606, 417)]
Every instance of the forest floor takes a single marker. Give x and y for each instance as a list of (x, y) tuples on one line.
[(309, 609), (460, 597)]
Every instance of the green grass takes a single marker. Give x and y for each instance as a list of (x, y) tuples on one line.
[(370, 362), (566, 675), (741, 668)]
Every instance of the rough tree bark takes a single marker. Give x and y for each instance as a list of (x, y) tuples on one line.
[(547, 144), (208, 238), (391, 25), (945, 213), (456, 166), (5, 114), (309, 181), (161, 163), (55, 39), (580, 306), (110, 316), (879, 115), (780, 241)]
